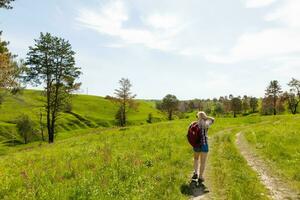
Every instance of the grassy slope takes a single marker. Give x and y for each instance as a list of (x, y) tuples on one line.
[(142, 162), (278, 143), (89, 111)]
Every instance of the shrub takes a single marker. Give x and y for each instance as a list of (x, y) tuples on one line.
[(25, 127), (149, 120), (68, 107)]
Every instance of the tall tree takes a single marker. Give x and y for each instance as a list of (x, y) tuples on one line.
[(218, 108), (273, 91), (245, 103), (51, 62), (7, 63), (125, 99), (293, 96), (267, 105), (253, 103), (227, 105), (25, 127), (9, 70), (6, 4), (236, 105), (8, 67), (170, 104)]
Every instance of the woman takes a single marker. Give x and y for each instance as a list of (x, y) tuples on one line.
[(200, 153)]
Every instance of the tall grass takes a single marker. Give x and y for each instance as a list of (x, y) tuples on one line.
[(87, 112), (232, 177), (279, 144), (138, 162)]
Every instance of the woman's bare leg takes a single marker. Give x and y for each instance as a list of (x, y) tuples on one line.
[(196, 162), (203, 157)]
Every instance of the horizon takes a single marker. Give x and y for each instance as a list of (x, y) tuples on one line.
[(190, 49), (76, 93)]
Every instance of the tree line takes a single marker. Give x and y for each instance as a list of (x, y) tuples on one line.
[(275, 101)]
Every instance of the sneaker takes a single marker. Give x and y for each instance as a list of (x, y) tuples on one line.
[(195, 177), (200, 180)]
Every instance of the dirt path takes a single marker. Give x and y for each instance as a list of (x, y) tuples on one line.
[(278, 188), (200, 193)]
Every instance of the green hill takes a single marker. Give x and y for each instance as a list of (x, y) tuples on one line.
[(148, 162), (87, 112)]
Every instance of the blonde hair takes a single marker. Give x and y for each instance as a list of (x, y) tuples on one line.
[(201, 115)]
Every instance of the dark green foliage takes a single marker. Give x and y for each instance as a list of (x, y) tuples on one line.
[(170, 104), (293, 96), (120, 116), (150, 117), (6, 4), (51, 62), (253, 103), (68, 107), (236, 105), (124, 98), (267, 106), (273, 91), (10, 69), (25, 127), (3, 46), (1, 98), (218, 109), (245, 104)]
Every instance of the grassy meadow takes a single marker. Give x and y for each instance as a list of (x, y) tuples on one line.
[(138, 162), (278, 143), (93, 159), (87, 112)]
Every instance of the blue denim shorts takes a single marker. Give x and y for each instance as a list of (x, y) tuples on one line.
[(203, 148)]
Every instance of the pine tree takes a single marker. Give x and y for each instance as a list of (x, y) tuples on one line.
[(273, 91), (125, 99), (51, 62)]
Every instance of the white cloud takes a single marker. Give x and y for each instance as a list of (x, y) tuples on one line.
[(289, 14), (165, 31), (110, 21), (115, 45), (264, 44), (258, 3), (270, 42), (163, 21)]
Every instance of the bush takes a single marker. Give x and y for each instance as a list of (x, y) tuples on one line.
[(1, 98), (181, 115), (68, 107), (25, 127), (149, 120)]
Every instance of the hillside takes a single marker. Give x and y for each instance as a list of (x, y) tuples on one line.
[(87, 112), (99, 165)]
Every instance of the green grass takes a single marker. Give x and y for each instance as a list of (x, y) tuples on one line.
[(232, 177), (278, 143), (138, 162), (92, 159), (101, 166), (88, 112)]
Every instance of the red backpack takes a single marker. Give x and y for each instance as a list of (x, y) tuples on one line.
[(194, 134)]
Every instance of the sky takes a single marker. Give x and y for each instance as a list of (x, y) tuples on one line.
[(191, 48)]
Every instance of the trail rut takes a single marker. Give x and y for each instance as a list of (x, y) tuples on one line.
[(277, 187)]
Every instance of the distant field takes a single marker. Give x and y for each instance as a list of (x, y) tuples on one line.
[(138, 162), (88, 112)]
